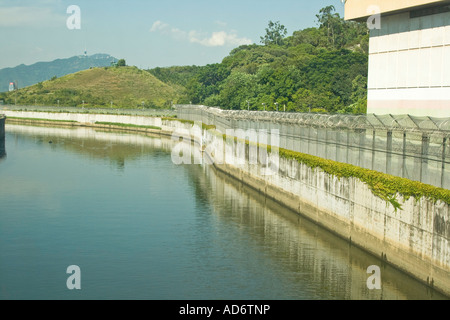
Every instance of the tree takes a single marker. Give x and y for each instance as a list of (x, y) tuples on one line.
[(322, 68), (333, 24), (359, 88), (206, 82), (237, 89), (275, 34), (304, 99), (193, 91), (121, 63), (312, 36)]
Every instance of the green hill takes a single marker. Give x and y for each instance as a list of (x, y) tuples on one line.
[(125, 87), (25, 76)]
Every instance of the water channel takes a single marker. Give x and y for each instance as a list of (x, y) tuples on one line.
[(140, 227)]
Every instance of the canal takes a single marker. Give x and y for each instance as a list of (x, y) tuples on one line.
[(140, 227)]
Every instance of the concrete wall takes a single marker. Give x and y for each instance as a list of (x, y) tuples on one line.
[(415, 239), (2, 127), (409, 66), (87, 118), (2, 137)]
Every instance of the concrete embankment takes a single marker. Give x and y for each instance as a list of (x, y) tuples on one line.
[(106, 121), (2, 137), (2, 127), (415, 238), (84, 118)]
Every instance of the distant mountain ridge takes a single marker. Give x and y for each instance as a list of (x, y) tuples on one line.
[(27, 75)]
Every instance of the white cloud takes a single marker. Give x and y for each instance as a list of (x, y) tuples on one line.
[(30, 17), (217, 39), (37, 50), (166, 29), (221, 23), (220, 39), (159, 25)]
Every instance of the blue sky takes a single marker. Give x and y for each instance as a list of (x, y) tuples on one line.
[(148, 33)]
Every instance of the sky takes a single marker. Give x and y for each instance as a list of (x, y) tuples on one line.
[(146, 33)]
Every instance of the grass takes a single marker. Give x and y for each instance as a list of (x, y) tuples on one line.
[(38, 119), (128, 125), (204, 126), (125, 87), (99, 110)]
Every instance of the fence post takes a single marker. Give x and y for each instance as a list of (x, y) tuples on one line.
[(309, 140), (348, 146), (298, 137), (424, 157), (317, 153), (444, 147), (373, 149), (389, 152), (362, 142), (337, 144), (404, 156)]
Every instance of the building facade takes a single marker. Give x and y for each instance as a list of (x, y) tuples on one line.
[(409, 55)]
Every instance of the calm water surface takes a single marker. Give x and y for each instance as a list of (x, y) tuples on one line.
[(140, 227)]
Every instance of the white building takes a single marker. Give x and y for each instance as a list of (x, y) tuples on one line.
[(409, 55)]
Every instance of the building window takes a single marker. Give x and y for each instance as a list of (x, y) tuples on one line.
[(429, 11)]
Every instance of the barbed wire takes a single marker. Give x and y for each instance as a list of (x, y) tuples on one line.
[(370, 121)]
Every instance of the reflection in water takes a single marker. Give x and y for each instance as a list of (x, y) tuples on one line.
[(216, 239), (327, 265), (118, 148), (2, 149)]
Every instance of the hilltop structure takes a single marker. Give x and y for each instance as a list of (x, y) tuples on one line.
[(409, 55)]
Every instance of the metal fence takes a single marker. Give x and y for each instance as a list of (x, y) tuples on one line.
[(416, 148)]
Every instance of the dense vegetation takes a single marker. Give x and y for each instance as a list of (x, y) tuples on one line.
[(322, 69)]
